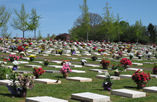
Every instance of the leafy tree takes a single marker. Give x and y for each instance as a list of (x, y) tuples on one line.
[(21, 21), (34, 23), (63, 36), (108, 23), (139, 30), (39, 35), (85, 16), (152, 32), (4, 32), (4, 15)]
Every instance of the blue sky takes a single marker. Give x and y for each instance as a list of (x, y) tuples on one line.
[(58, 16)]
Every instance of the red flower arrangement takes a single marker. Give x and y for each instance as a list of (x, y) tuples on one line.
[(25, 45), (105, 63), (43, 40), (38, 71), (125, 62), (20, 48), (30, 44), (141, 78)]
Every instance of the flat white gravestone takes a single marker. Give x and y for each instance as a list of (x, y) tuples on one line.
[(139, 64), (3, 62), (97, 70), (56, 54), (80, 79), (104, 77), (128, 93), (32, 66), (52, 71), (47, 81), (90, 97), (85, 58), (7, 82), (37, 61), (148, 63), (54, 66), (25, 72), (11, 66), (73, 58), (86, 54), (153, 75), (78, 71), (76, 54), (133, 69), (77, 66), (66, 54), (44, 99), (126, 76), (23, 62), (25, 58), (59, 62), (152, 89), (92, 65)]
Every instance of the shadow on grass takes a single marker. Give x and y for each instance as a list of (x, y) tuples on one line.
[(8, 95), (59, 77), (130, 87)]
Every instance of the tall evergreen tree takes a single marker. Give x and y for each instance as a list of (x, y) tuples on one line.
[(152, 33), (21, 22)]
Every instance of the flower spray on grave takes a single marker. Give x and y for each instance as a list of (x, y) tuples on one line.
[(64, 61), (105, 63), (66, 69), (13, 57), (46, 62), (32, 57), (83, 62), (15, 65), (38, 72), (141, 78), (94, 58), (125, 62), (117, 69), (107, 82)]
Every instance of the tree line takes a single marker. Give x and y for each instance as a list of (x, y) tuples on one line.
[(94, 27)]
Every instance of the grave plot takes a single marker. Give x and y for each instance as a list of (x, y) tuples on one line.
[(54, 66), (79, 79), (23, 62), (37, 61), (153, 75), (47, 81), (91, 65), (52, 71), (138, 64), (104, 76), (148, 63), (56, 54), (32, 66), (73, 58), (44, 99), (98, 70), (77, 54), (133, 69), (25, 72), (44, 54), (85, 58), (76, 66), (11, 66), (125, 76), (115, 60), (151, 89), (59, 62), (3, 61), (25, 58), (78, 71), (66, 54), (128, 93), (90, 97), (7, 82)]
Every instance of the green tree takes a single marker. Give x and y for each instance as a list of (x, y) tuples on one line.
[(108, 20), (4, 15), (4, 32), (152, 32), (21, 22), (39, 35), (34, 23), (85, 17), (139, 29)]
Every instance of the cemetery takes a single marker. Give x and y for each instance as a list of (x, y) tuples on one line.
[(27, 75)]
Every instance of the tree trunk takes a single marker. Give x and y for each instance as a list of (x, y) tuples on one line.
[(23, 34), (35, 33)]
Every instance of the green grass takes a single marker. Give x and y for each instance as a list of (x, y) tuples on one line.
[(67, 88)]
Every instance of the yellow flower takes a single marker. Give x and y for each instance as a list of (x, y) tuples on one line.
[(135, 51), (39, 46), (32, 56)]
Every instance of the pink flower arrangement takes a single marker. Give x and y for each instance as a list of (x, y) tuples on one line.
[(125, 62), (141, 78), (66, 68), (13, 57)]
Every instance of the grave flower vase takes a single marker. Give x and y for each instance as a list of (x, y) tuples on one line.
[(46, 64), (37, 76), (12, 90), (15, 68), (140, 86), (21, 92), (104, 66), (32, 59), (65, 75), (107, 86), (116, 73)]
